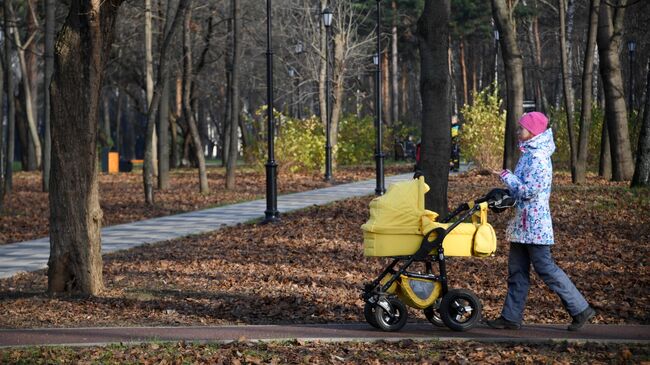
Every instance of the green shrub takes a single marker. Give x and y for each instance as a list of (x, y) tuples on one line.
[(299, 143), (482, 133), (357, 140)]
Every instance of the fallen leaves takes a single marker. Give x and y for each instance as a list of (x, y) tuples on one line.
[(26, 212), (371, 353), (304, 271)]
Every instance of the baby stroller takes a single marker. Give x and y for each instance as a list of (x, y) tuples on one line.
[(399, 227)]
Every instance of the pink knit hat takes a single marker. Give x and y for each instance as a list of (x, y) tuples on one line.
[(535, 122)]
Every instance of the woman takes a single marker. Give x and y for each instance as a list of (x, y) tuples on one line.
[(531, 230)]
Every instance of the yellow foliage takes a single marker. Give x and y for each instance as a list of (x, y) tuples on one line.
[(483, 132)]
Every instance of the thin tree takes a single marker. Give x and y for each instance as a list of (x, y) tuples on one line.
[(152, 113), (567, 85), (512, 59), (394, 97), (642, 171), (234, 96), (75, 263), (148, 56), (27, 89), (11, 101), (50, 20), (609, 38), (578, 172), (433, 35), (2, 145), (187, 105)]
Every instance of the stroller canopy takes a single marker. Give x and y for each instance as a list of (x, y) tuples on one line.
[(400, 210)]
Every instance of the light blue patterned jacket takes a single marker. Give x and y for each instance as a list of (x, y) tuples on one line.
[(531, 185)]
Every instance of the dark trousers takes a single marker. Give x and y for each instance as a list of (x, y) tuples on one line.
[(519, 260)]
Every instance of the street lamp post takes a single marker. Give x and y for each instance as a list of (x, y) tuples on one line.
[(379, 154), (298, 51), (327, 21), (271, 213), (631, 47)]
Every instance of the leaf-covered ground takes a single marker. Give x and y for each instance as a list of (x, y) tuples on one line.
[(295, 352), (310, 267), (26, 212)]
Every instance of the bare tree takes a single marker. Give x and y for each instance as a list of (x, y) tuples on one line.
[(163, 71), (187, 106), (504, 19), (567, 83), (11, 101), (578, 172), (75, 263), (234, 96), (50, 20), (609, 38), (642, 171), (27, 87)]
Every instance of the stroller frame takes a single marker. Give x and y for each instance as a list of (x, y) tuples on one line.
[(377, 296)]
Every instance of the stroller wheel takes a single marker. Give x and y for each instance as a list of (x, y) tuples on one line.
[(369, 314), (391, 320), (433, 314), (460, 309)]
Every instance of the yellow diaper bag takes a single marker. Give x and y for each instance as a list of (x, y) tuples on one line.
[(398, 222)]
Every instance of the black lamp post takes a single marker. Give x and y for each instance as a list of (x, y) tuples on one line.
[(298, 51), (631, 47), (327, 21), (379, 154), (271, 213)]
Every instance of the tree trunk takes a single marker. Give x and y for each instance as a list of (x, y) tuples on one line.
[(2, 141), (175, 154), (610, 30), (395, 66), (118, 121), (385, 89), (27, 93), (513, 62), (11, 104), (225, 126), (75, 263), (587, 102), (339, 71), (50, 20), (148, 52), (152, 112), (187, 107), (605, 164), (642, 171), (463, 69), (433, 35), (322, 72), (567, 82), (234, 97), (163, 137), (535, 45)]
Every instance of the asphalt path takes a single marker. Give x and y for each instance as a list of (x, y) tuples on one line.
[(312, 332)]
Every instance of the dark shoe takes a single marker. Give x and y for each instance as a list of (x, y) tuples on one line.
[(582, 318), (502, 323)]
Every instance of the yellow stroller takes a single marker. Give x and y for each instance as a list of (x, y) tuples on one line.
[(399, 227)]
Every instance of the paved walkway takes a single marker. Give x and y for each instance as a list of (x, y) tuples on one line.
[(322, 332), (33, 255)]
